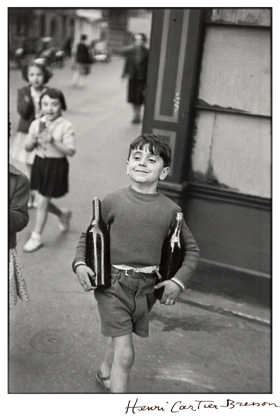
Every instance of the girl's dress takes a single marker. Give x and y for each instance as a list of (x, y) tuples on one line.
[(49, 174), (18, 219), (29, 109)]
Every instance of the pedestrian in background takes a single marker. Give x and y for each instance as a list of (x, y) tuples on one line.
[(53, 138), (37, 75), (138, 219), (82, 61), (135, 68), (18, 218)]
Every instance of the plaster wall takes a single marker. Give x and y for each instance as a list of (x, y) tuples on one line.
[(232, 141)]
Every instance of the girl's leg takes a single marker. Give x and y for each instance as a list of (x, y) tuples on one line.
[(63, 215), (42, 213), (122, 362), (136, 113), (43, 207), (34, 242)]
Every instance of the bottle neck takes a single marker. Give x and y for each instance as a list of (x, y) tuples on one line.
[(176, 235), (96, 215)]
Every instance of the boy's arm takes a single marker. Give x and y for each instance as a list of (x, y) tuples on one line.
[(191, 258), (80, 255), (79, 266), (175, 286)]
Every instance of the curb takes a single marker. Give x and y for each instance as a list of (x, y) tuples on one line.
[(227, 312)]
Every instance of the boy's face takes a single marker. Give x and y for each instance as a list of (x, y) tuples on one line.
[(51, 108), (146, 169)]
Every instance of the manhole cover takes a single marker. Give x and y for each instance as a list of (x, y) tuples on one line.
[(51, 341)]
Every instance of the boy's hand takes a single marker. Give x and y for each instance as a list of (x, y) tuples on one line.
[(171, 292), (83, 272)]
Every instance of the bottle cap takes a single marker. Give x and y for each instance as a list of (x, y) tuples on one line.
[(179, 216)]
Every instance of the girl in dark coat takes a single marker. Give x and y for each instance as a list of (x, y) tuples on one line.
[(37, 75)]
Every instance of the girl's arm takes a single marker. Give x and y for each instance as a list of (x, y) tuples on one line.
[(67, 145), (25, 105), (31, 138)]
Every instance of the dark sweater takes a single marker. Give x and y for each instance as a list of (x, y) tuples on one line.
[(138, 224)]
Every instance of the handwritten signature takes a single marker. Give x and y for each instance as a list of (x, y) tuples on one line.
[(179, 406)]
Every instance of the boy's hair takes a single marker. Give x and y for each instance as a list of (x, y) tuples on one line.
[(156, 146), (46, 72), (54, 94)]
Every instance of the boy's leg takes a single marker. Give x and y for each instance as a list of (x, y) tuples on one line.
[(106, 365), (122, 362)]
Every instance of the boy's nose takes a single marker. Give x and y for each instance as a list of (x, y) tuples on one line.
[(143, 162)]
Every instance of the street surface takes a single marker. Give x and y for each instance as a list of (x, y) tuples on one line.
[(55, 344)]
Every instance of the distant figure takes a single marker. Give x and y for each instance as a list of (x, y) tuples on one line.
[(67, 47), (81, 62), (136, 66), (53, 138), (36, 75), (18, 219)]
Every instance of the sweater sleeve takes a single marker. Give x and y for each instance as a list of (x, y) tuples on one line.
[(191, 256), (69, 137), (18, 210), (25, 105)]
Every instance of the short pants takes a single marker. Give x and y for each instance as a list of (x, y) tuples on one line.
[(124, 307)]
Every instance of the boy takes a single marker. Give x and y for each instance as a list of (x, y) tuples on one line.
[(139, 218)]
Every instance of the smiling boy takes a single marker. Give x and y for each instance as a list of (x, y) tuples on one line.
[(139, 219)]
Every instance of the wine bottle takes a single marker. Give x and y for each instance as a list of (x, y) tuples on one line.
[(98, 248), (172, 254)]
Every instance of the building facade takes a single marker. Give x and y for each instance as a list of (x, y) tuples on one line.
[(209, 96)]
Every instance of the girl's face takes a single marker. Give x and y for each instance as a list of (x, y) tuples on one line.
[(35, 77), (51, 108)]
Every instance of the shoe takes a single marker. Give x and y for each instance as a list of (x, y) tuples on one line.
[(100, 379), (136, 120), (33, 243), (64, 221)]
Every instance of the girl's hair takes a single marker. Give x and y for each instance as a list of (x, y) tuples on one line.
[(46, 72), (54, 94), (156, 146)]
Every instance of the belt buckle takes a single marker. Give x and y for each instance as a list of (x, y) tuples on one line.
[(134, 270)]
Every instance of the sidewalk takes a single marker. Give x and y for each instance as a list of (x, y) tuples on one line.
[(227, 306)]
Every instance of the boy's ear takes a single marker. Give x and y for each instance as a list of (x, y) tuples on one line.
[(127, 167), (164, 173)]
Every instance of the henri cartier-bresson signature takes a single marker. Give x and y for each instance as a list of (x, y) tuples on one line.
[(179, 406)]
